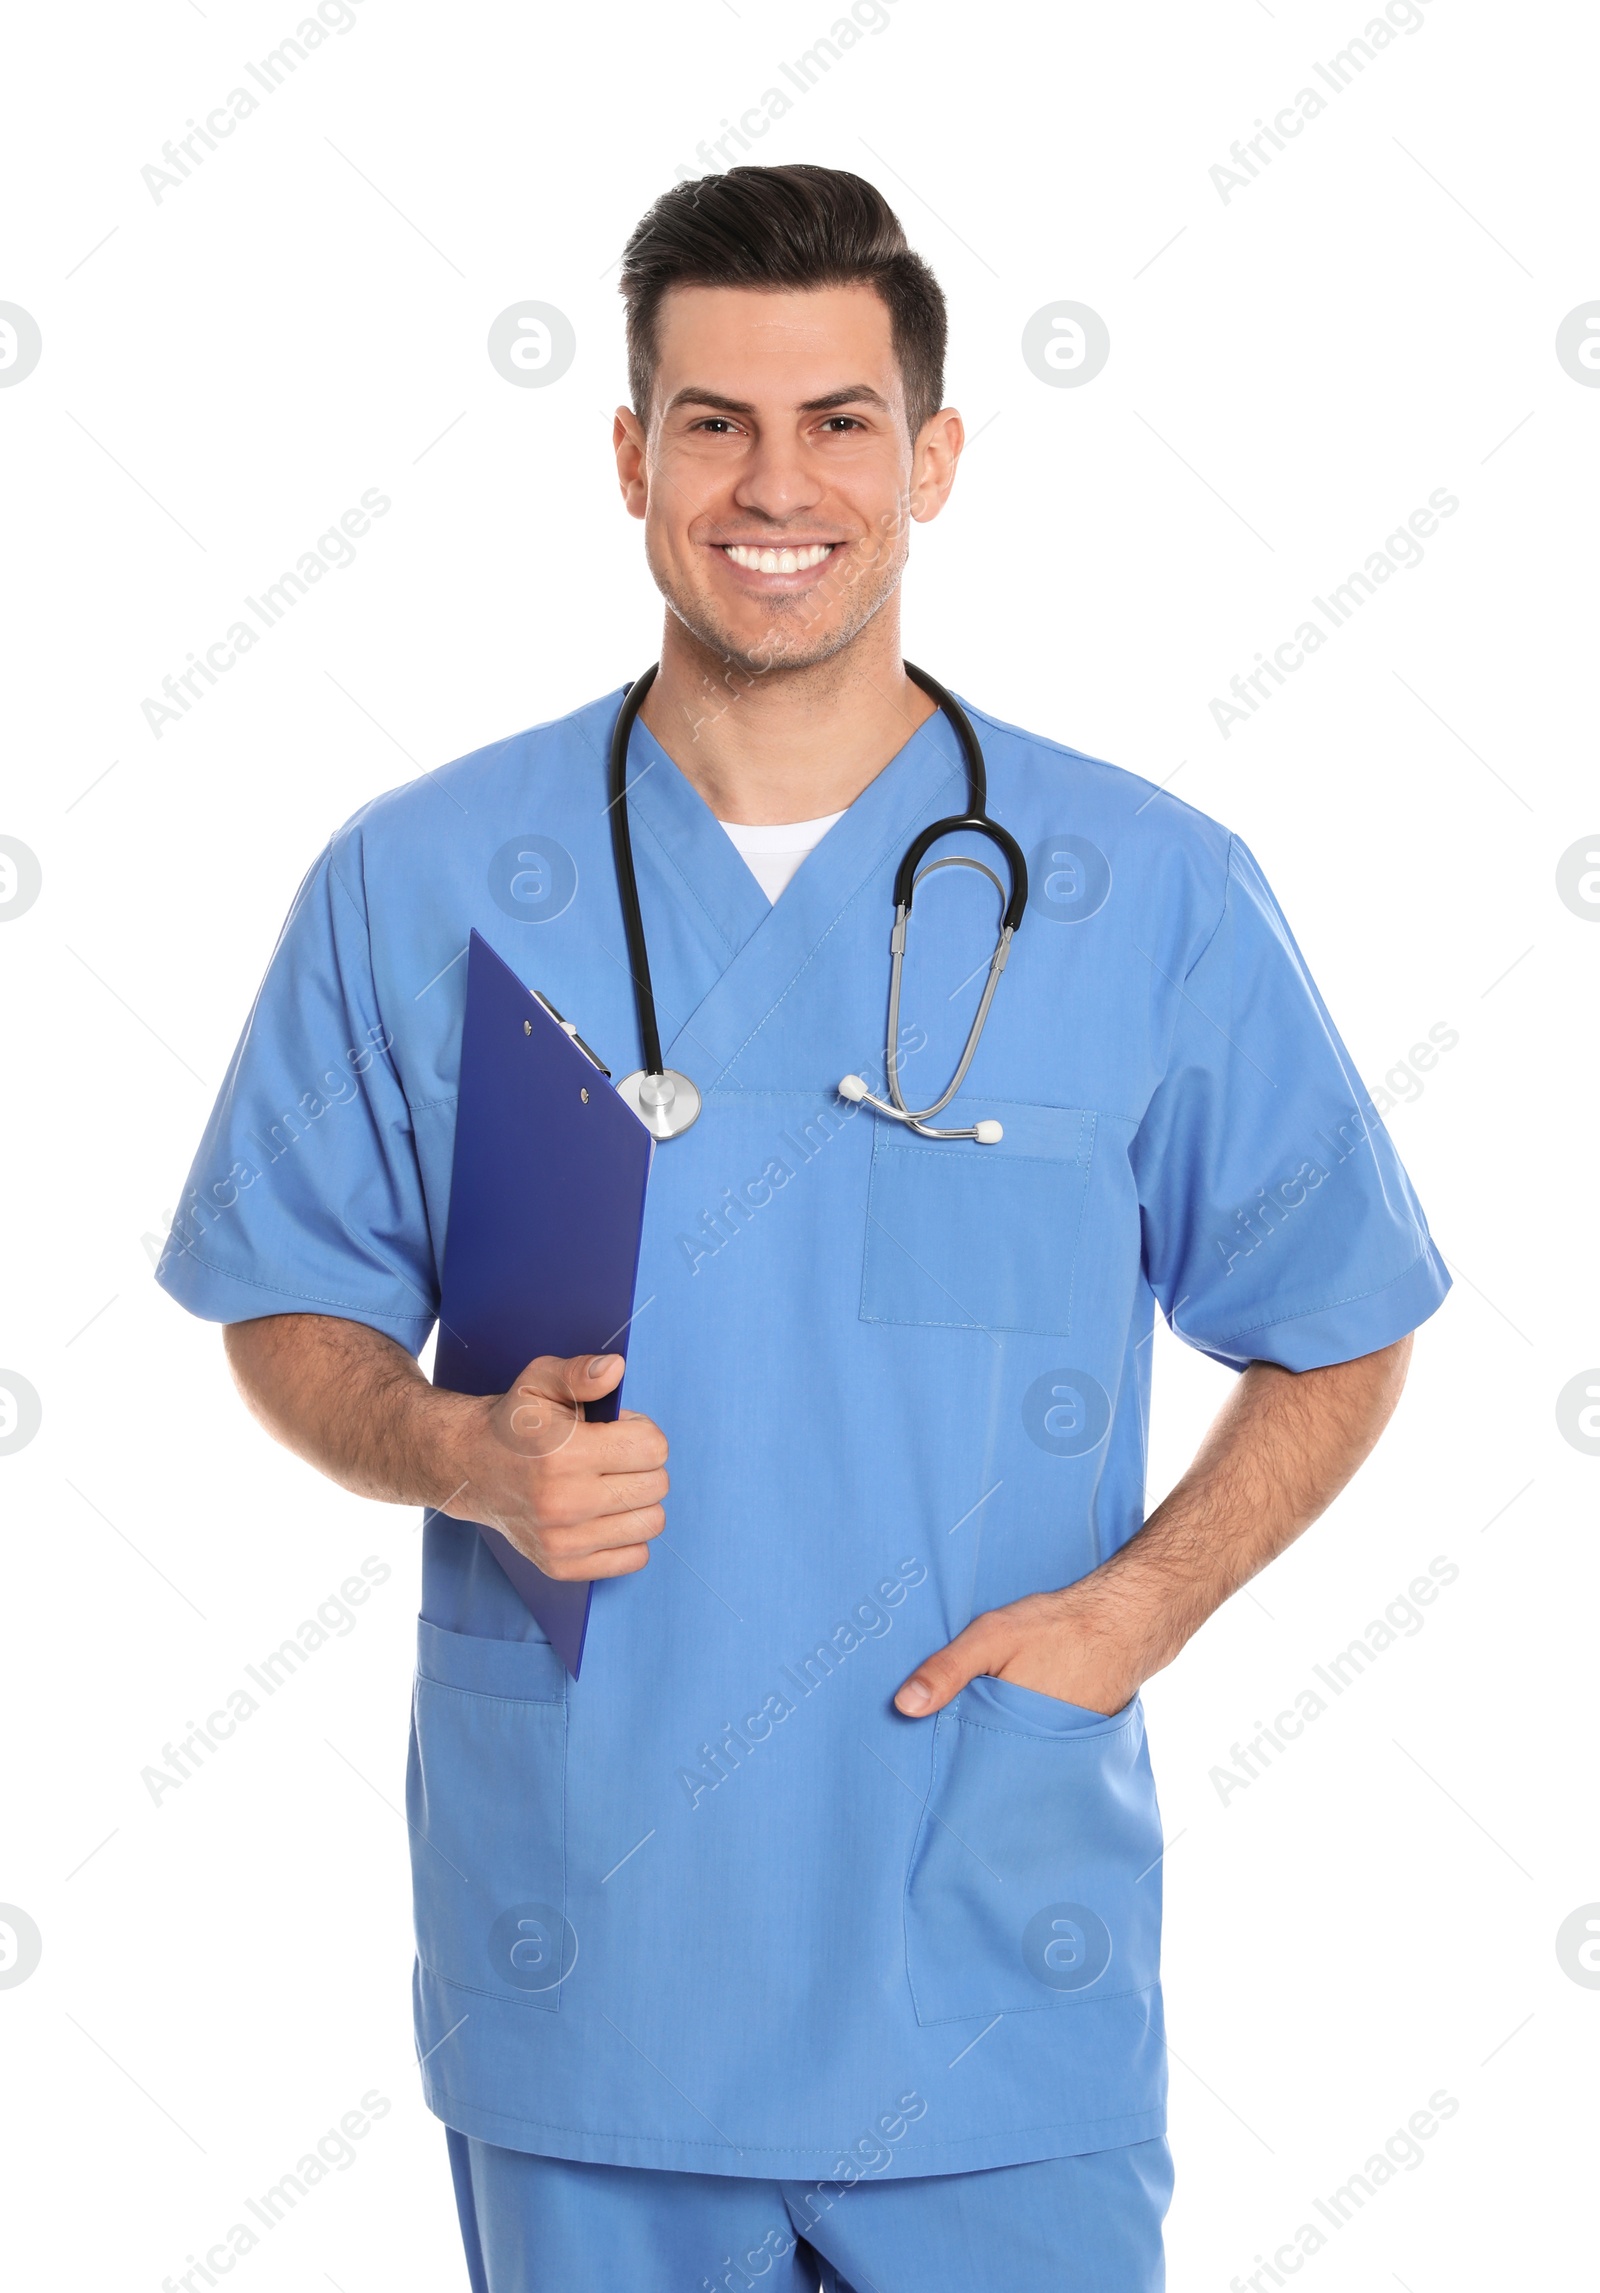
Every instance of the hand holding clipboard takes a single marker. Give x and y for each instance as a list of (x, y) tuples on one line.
[(541, 1256)]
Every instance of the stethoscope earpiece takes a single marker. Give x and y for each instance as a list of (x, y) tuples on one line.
[(987, 1133)]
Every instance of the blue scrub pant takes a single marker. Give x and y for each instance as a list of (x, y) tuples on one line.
[(1088, 2224)]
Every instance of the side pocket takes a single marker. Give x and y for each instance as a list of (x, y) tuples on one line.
[(486, 1801), (1035, 1875)]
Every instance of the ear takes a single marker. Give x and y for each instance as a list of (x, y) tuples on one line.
[(933, 463), (628, 444)]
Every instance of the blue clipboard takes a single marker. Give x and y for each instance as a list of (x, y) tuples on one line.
[(546, 1212)]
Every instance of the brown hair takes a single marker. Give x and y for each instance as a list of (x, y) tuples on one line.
[(784, 227)]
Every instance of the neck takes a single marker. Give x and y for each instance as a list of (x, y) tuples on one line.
[(786, 743)]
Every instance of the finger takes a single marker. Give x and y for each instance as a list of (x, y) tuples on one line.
[(627, 1492), (573, 1539), (630, 1444), (592, 1568), (571, 1457), (983, 1647), (568, 1504), (626, 1561)]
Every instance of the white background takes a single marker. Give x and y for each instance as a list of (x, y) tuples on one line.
[(1292, 372)]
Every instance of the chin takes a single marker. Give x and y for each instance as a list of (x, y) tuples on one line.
[(787, 635)]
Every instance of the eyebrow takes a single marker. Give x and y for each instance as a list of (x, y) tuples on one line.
[(854, 394)]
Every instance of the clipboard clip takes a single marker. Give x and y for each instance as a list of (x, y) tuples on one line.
[(567, 1028)]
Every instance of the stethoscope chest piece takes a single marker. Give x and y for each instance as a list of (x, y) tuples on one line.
[(667, 1103)]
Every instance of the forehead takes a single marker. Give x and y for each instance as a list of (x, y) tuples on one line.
[(781, 345)]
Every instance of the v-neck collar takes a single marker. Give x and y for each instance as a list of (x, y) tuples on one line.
[(761, 947), (691, 846)]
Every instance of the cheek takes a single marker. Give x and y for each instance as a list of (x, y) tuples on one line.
[(681, 569)]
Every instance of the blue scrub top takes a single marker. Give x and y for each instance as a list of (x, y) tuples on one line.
[(717, 1906)]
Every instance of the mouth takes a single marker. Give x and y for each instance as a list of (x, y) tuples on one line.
[(791, 557)]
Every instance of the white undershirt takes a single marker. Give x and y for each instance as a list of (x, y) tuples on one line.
[(773, 854)]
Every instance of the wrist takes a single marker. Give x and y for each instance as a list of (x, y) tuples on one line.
[(1125, 1623), (455, 1427)]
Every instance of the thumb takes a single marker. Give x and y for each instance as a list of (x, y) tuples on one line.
[(544, 1407), (983, 1647), (573, 1378)]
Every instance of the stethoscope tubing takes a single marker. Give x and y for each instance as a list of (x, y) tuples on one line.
[(908, 875), (627, 881)]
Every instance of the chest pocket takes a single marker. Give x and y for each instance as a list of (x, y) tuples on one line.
[(969, 1237)]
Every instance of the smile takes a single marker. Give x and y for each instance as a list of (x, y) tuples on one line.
[(762, 560)]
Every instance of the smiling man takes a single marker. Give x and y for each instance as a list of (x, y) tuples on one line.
[(811, 1937)]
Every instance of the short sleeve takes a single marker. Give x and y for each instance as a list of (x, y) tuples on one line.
[(1278, 1223), (305, 1196)]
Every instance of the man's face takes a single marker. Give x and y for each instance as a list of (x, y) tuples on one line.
[(777, 481)]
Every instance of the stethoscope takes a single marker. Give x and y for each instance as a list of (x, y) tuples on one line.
[(666, 1102)]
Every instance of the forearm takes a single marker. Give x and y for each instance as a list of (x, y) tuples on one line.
[(1275, 1457), (355, 1405), (1280, 1449), (579, 1499)]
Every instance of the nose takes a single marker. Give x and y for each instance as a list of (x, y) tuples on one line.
[(778, 482)]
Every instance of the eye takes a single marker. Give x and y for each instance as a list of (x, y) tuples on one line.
[(843, 422), (721, 424)]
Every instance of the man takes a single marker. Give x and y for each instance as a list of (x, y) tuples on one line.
[(813, 1930)]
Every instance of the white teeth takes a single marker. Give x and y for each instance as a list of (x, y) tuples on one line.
[(778, 560)]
